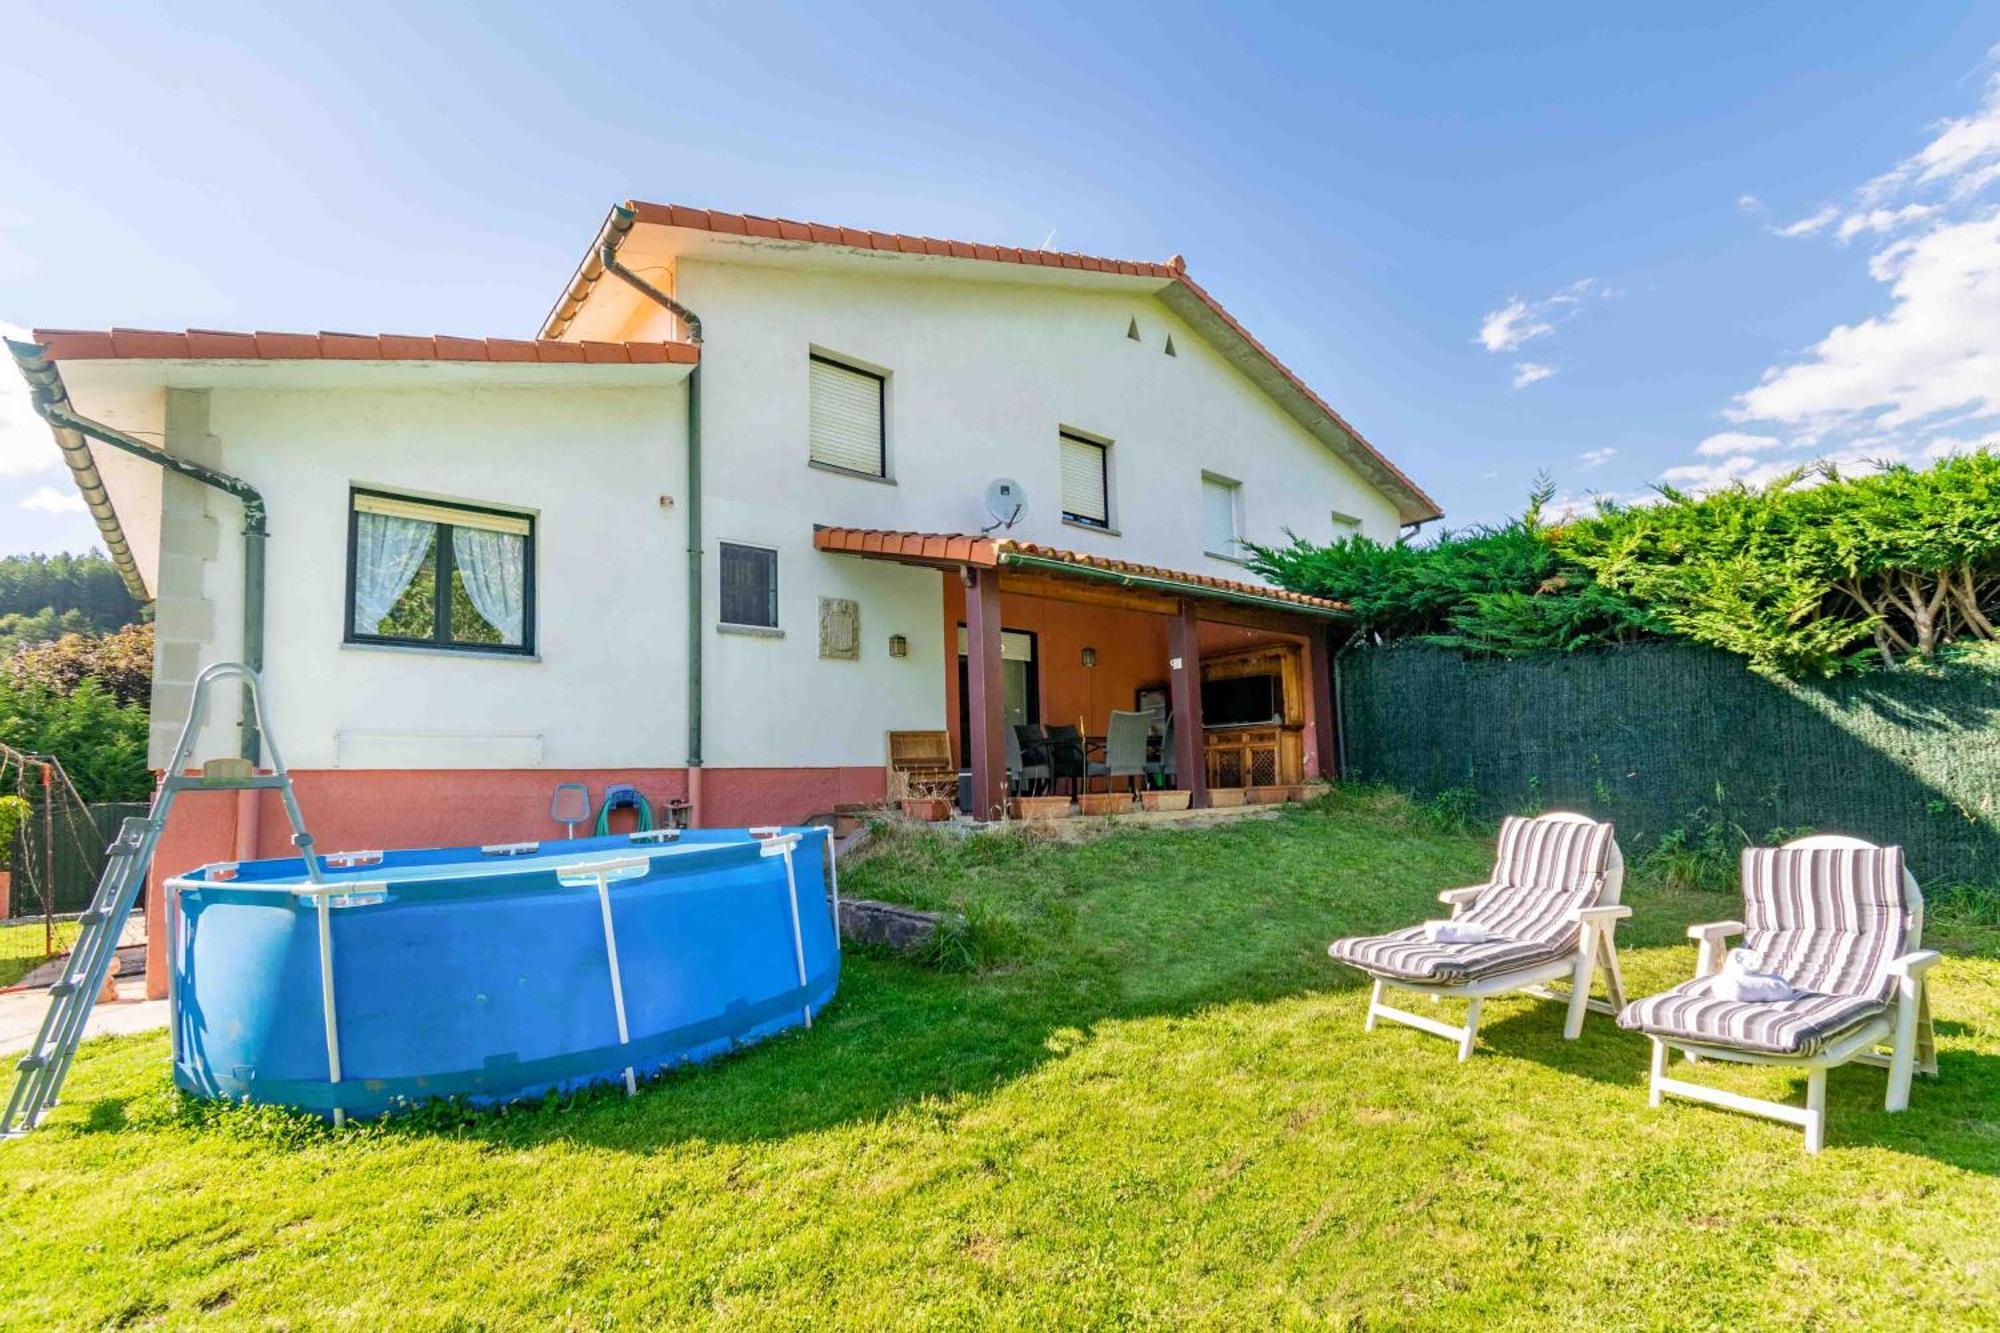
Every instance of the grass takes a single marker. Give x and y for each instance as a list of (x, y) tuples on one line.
[(1135, 1091), (24, 947)]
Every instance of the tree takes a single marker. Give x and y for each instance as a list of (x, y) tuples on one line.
[(122, 662), (1801, 574), (1501, 589), (101, 742)]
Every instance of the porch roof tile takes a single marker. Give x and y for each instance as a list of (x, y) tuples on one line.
[(962, 548)]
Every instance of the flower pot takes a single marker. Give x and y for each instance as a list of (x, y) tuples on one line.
[(926, 809), (1039, 807), (1165, 799), (1219, 797), (1106, 803), (1268, 795)]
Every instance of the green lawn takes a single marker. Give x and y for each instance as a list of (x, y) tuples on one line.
[(24, 946), (1141, 1094)]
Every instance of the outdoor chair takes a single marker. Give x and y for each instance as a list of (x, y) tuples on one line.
[(1028, 754), (1546, 912), (1841, 922), (1124, 749), (1066, 753), (1023, 776)]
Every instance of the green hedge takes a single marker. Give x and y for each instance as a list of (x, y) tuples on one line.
[(1668, 739)]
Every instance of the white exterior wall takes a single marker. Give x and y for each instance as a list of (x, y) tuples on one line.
[(981, 377), (607, 687)]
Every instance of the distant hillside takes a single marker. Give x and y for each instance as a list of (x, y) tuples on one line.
[(43, 597)]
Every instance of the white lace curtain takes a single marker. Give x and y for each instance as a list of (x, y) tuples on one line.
[(387, 554), (494, 571)]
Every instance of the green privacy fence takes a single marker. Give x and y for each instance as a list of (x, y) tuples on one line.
[(1665, 737)]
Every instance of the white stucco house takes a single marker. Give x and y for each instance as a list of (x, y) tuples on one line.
[(719, 528)]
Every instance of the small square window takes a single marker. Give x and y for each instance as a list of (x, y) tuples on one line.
[(1345, 526), (1086, 481), (439, 575), (749, 586)]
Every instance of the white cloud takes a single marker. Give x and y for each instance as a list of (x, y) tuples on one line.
[(1596, 457), (1531, 372), (1725, 443), (49, 500), (25, 446), (1749, 203), (1883, 219), (1809, 224), (1511, 325), (1522, 321)]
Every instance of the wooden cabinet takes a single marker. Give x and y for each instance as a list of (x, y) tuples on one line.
[(1266, 756)]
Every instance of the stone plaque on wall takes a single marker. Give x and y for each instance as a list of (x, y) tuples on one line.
[(840, 629)]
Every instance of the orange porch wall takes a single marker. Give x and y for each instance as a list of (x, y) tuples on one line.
[(1131, 653), (354, 809)]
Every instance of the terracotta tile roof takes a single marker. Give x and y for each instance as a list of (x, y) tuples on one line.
[(212, 344), (959, 548), (785, 229), (1174, 270)]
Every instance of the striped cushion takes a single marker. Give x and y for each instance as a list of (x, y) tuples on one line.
[(1829, 920), (1546, 869), (1804, 1026), (1406, 955)]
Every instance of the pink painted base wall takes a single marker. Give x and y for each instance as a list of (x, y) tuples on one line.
[(355, 810)]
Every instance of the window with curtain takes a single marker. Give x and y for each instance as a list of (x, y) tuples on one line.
[(749, 586), (1221, 510), (847, 419), (1086, 490), (439, 575)]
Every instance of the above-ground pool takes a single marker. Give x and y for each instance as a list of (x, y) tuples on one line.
[(496, 973)]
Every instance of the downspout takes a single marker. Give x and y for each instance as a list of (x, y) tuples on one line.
[(615, 228), (51, 401)]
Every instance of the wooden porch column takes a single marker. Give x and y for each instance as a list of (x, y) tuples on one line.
[(1184, 695), (985, 694), (1320, 649)]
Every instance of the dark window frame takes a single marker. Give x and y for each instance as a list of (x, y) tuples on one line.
[(1103, 479), (881, 472), (443, 563), (722, 588)]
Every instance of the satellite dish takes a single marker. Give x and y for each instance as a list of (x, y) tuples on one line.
[(1006, 501)]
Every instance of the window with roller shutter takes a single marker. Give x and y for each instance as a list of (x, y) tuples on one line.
[(1086, 472), (847, 415)]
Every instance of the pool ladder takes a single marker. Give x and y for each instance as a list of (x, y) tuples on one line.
[(73, 996)]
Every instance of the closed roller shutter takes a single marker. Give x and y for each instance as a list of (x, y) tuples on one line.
[(1083, 489), (846, 418)]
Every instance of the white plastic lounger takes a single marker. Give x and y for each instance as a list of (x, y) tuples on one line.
[(1547, 913), (1841, 921)]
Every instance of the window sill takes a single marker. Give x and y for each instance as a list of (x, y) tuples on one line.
[(429, 650), (831, 470), (1099, 528), (750, 631), (1232, 559)]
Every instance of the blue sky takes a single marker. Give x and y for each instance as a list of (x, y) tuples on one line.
[(1500, 239)]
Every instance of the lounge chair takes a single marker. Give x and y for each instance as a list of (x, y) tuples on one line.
[(1549, 909), (1841, 921)]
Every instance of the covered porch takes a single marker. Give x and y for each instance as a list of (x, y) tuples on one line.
[(1235, 676)]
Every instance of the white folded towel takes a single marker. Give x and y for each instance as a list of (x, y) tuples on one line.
[(1739, 980), (1455, 932)]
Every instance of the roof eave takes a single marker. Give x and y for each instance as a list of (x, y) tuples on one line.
[(45, 384)]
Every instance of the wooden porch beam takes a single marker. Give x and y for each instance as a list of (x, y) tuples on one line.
[(985, 694), (1184, 694)]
